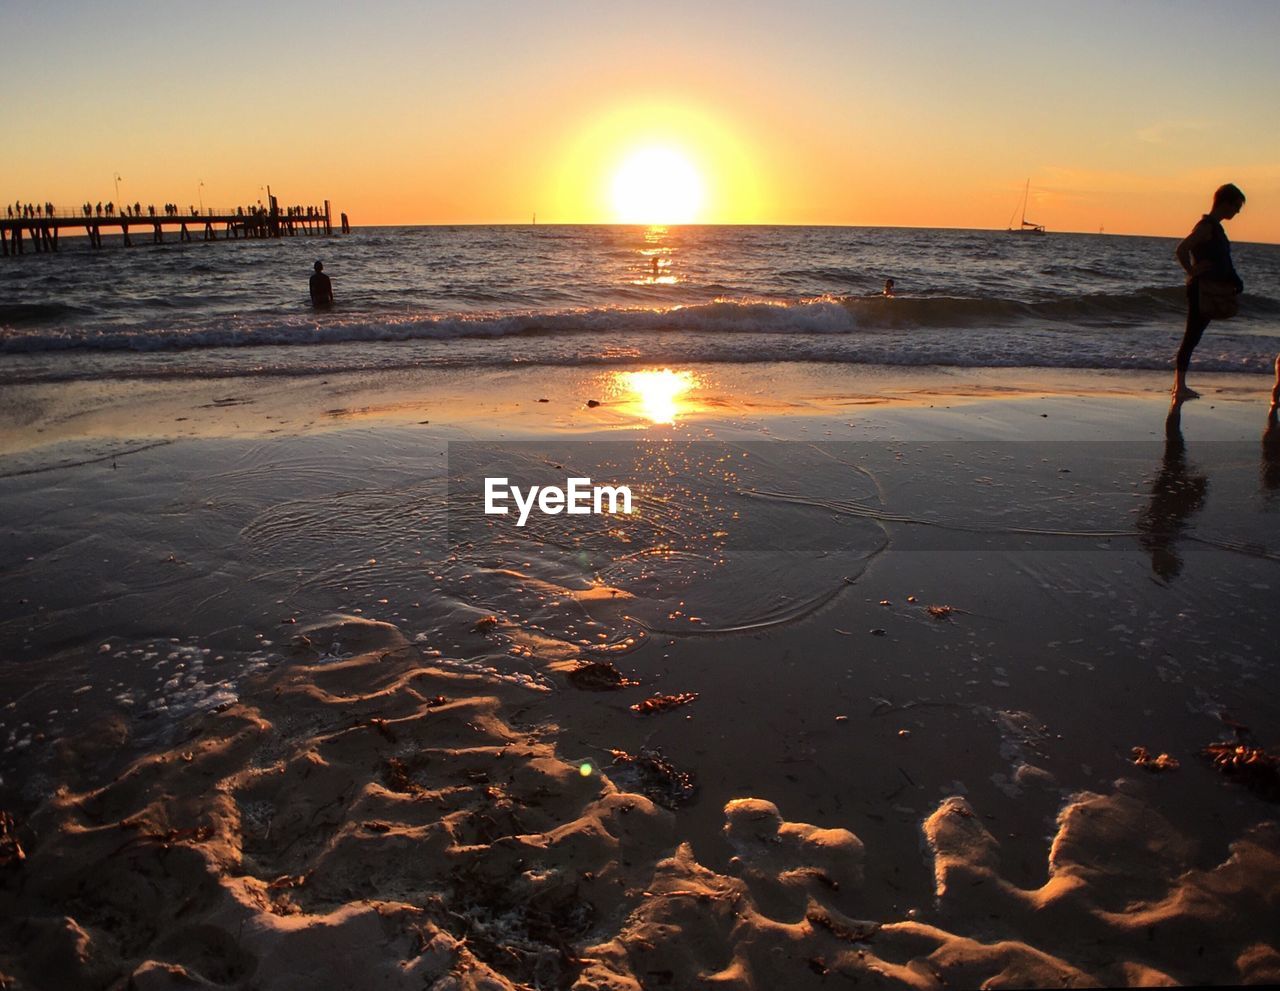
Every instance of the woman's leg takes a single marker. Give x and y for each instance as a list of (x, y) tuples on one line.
[(1190, 338), (1275, 392)]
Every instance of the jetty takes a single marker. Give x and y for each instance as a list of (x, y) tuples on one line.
[(39, 227)]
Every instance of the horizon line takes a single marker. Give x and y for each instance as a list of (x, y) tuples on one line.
[(900, 227)]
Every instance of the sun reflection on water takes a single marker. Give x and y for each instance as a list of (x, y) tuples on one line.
[(657, 395), (656, 259)]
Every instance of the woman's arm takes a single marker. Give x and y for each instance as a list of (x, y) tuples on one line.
[(1190, 246)]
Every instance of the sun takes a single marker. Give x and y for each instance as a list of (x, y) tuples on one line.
[(657, 185)]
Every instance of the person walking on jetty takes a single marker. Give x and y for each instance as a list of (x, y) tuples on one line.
[(1213, 287), (321, 287)]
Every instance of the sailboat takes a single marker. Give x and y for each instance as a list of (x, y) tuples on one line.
[(1026, 227)]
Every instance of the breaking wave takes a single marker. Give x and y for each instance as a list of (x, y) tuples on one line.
[(828, 315)]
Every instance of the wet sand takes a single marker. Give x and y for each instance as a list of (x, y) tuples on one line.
[(279, 713)]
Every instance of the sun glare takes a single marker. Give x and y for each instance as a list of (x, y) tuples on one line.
[(657, 186), (657, 395)]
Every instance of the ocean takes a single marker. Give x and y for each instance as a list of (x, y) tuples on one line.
[(576, 295)]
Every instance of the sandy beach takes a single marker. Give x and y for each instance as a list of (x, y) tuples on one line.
[(285, 712)]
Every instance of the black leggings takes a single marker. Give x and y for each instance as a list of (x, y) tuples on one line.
[(1195, 327)]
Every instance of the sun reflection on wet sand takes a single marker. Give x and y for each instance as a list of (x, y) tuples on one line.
[(658, 396)]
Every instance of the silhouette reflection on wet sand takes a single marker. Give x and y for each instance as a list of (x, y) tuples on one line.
[(1177, 494)]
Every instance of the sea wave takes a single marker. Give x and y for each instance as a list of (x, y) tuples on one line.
[(827, 315), (1140, 349)]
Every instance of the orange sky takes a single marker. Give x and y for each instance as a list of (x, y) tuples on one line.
[(926, 114)]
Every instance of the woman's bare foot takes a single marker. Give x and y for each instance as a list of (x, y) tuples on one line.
[(1181, 395)]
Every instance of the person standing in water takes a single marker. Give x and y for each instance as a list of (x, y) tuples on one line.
[(1205, 255), (321, 287)]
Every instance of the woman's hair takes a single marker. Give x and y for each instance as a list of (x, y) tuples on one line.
[(1228, 193)]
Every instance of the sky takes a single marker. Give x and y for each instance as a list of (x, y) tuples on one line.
[(1122, 115)]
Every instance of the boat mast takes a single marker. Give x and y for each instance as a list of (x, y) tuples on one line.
[(1024, 225)]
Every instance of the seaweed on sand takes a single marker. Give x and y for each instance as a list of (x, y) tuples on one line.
[(11, 852), (599, 676), (1251, 766), (663, 703), (655, 777), (1143, 758)]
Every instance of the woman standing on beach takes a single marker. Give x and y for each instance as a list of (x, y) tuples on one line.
[(1212, 283)]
